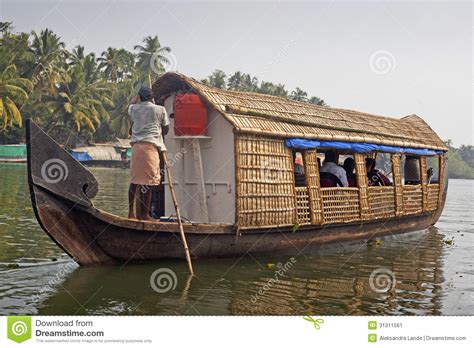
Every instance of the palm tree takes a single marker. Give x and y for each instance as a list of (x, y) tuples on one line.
[(48, 57), (13, 92), (299, 95), (78, 104), (151, 57), (113, 62), (235, 81), (317, 101), (217, 79), (120, 121), (76, 56)]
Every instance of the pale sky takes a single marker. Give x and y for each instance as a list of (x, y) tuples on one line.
[(382, 57)]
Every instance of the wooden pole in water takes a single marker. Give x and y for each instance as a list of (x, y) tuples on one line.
[(178, 214)]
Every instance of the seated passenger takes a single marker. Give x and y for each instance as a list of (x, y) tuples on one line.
[(349, 166), (299, 170), (376, 178), (330, 166), (412, 171)]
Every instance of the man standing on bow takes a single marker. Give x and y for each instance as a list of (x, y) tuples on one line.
[(149, 123)]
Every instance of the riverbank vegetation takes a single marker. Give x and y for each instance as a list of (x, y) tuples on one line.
[(78, 97)]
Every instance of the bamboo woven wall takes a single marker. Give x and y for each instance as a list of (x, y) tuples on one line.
[(362, 182), (340, 204), (397, 183), (432, 197), (312, 182), (265, 182), (412, 199), (381, 202), (424, 182), (303, 211), (442, 173)]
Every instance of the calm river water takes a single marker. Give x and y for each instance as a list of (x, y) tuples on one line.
[(433, 269)]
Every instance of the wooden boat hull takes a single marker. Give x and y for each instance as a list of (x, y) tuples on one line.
[(92, 237)]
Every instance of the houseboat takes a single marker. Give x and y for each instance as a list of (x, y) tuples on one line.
[(113, 154), (246, 171)]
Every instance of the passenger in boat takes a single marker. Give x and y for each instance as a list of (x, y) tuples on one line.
[(412, 170), (299, 170), (375, 176), (349, 166), (149, 123), (331, 167)]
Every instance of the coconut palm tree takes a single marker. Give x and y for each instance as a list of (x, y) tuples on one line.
[(299, 95), (78, 104), (317, 101), (48, 59), (151, 57), (13, 92), (120, 121), (116, 63), (76, 55)]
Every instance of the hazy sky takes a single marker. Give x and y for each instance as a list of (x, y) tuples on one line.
[(388, 58)]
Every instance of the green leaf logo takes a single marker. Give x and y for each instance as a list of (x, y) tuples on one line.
[(316, 322), (19, 329)]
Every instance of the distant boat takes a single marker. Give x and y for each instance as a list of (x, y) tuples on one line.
[(238, 185), (113, 154), (13, 153)]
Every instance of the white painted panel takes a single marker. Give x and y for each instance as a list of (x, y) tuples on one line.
[(218, 167)]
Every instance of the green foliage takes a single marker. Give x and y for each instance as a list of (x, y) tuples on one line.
[(246, 83), (459, 167)]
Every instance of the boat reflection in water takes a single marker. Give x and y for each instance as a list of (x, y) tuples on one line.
[(335, 281)]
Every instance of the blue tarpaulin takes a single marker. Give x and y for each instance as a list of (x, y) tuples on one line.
[(81, 156), (356, 147)]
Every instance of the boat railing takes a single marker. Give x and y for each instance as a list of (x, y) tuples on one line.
[(381, 202), (303, 210), (340, 204), (412, 199), (433, 197)]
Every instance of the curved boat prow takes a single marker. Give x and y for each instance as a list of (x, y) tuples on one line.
[(57, 184), (53, 168)]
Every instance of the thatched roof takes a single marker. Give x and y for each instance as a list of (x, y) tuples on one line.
[(269, 115)]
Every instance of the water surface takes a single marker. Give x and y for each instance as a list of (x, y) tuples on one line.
[(433, 269)]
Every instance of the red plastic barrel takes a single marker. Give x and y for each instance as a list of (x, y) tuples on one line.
[(190, 115)]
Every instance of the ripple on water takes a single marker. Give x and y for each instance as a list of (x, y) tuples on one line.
[(432, 277)]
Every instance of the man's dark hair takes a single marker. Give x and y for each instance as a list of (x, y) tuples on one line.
[(330, 156), (145, 93), (370, 163), (349, 164)]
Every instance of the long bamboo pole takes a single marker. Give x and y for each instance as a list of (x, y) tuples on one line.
[(178, 214)]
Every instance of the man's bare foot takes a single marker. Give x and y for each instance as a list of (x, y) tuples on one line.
[(132, 216)]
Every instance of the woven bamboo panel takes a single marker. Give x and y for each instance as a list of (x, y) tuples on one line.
[(442, 173), (340, 204), (432, 197), (412, 199), (382, 202), (265, 182), (312, 181), (424, 182), (303, 212), (397, 182), (275, 116), (362, 182)]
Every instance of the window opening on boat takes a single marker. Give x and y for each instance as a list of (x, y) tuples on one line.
[(299, 171), (379, 170), (411, 173), (432, 164)]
